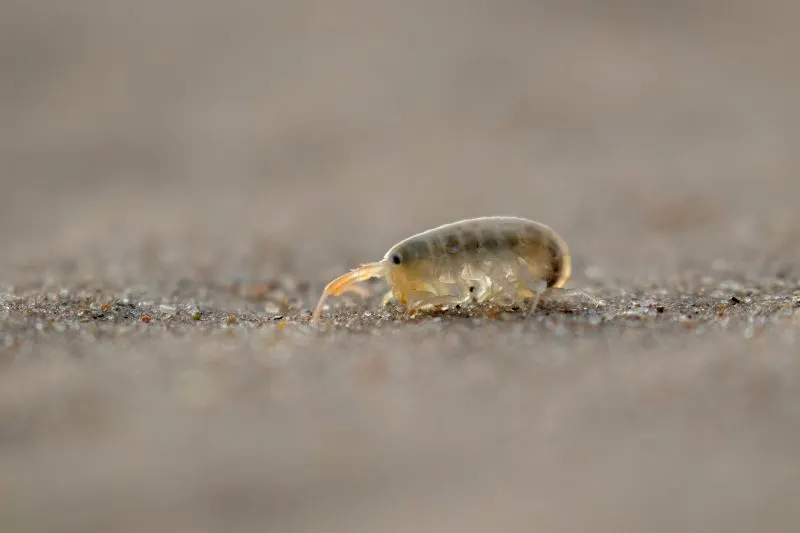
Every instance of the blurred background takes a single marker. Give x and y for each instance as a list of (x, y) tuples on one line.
[(323, 132), (147, 142)]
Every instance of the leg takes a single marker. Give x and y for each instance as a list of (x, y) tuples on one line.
[(387, 298), (530, 286), (537, 287)]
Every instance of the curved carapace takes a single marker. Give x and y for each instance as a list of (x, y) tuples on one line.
[(479, 259), (489, 238)]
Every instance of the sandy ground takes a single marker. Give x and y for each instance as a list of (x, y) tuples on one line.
[(179, 179)]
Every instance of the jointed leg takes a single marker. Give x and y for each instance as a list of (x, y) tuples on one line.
[(387, 298), (530, 286), (537, 288)]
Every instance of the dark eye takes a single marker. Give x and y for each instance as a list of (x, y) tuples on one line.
[(396, 259)]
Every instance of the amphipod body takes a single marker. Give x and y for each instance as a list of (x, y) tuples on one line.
[(496, 258)]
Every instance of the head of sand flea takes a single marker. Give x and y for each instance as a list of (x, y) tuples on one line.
[(501, 259)]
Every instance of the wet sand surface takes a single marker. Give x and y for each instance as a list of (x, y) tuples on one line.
[(181, 179)]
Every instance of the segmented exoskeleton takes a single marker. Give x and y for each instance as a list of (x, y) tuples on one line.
[(498, 258)]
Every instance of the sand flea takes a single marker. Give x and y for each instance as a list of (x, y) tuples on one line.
[(486, 259)]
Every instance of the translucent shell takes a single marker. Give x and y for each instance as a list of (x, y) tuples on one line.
[(495, 258)]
